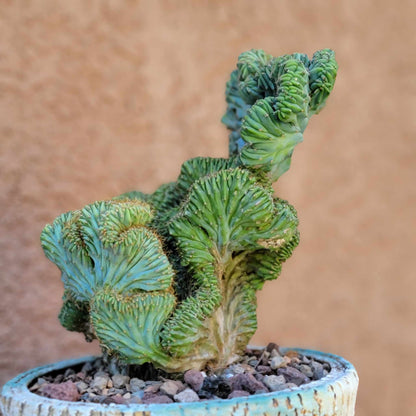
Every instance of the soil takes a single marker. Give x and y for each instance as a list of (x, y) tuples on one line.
[(259, 371)]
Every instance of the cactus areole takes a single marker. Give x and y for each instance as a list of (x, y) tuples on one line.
[(171, 277)]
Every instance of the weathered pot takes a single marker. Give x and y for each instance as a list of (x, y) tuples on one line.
[(333, 395)]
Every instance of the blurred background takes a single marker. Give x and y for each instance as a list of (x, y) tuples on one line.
[(101, 97)]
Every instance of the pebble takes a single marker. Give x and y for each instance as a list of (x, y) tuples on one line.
[(170, 388), (153, 388), (274, 353), (259, 376), (135, 400), (100, 382), (246, 382), (305, 359), (277, 362), (120, 380), (69, 372), (180, 385), (118, 399), (63, 391), (113, 391), (317, 370), (152, 382), (237, 369), (262, 391), (238, 393), (292, 375), (305, 369), (265, 357), (87, 367), (186, 396), (274, 383), (272, 346), (136, 384), (248, 368), (194, 378), (139, 394), (292, 354), (216, 386), (84, 397), (264, 369), (227, 374), (206, 395), (41, 381), (157, 399), (59, 378)]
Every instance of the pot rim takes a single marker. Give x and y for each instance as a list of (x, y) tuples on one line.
[(341, 371)]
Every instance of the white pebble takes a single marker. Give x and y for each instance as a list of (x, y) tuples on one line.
[(186, 396)]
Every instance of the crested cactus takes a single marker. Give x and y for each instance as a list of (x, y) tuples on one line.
[(171, 277)]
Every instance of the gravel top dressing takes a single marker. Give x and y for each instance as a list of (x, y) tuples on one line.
[(259, 371)]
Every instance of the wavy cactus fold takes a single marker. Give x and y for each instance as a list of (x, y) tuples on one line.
[(270, 101), (171, 277)]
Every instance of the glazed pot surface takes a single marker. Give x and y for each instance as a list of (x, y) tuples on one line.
[(333, 395)]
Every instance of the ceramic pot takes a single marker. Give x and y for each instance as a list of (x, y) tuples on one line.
[(333, 395)]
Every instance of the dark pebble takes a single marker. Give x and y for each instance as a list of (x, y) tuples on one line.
[(264, 369), (272, 346), (134, 400), (118, 399), (69, 372), (224, 389), (205, 394), (306, 369), (64, 391), (265, 357), (113, 391), (305, 359), (109, 400), (259, 377), (59, 378), (255, 353), (292, 375), (317, 370), (157, 399), (246, 382), (194, 379), (86, 368), (211, 384), (101, 399), (84, 397), (238, 393), (216, 386)]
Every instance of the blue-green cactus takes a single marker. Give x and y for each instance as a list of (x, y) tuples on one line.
[(171, 277)]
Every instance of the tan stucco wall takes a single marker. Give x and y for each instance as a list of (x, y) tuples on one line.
[(98, 98)]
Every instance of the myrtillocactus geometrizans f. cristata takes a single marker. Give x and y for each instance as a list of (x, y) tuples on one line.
[(171, 278)]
